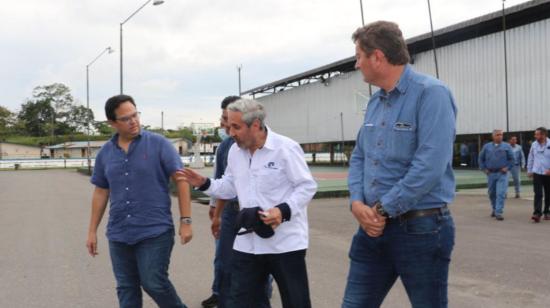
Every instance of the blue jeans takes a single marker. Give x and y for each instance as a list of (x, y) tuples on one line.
[(217, 271), (417, 250), (516, 172), (144, 264), (497, 188)]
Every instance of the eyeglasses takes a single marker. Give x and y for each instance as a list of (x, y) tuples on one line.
[(127, 119)]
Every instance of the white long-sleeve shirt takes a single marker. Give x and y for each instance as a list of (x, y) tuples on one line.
[(539, 158), (275, 174)]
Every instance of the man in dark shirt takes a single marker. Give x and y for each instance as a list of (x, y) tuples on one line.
[(133, 171)]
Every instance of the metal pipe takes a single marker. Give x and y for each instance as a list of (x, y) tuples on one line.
[(433, 41)]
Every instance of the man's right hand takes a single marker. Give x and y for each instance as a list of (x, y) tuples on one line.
[(191, 177), (91, 244), (368, 218), (211, 212), (216, 223)]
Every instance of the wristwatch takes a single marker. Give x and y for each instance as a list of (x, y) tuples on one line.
[(186, 220), (380, 209)]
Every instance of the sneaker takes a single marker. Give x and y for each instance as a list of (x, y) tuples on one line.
[(535, 218), (210, 302), (493, 214), (517, 196), (499, 218)]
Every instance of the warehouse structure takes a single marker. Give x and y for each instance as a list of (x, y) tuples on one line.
[(324, 107)]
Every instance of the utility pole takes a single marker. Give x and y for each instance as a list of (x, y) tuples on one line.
[(505, 67), (239, 67), (433, 40)]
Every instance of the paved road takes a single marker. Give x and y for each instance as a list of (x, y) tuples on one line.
[(43, 262)]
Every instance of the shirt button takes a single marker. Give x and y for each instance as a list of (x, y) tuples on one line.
[(129, 215), (376, 163), (379, 143), (127, 202), (126, 188), (383, 124), (126, 160), (126, 174)]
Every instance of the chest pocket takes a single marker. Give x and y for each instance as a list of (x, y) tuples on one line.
[(401, 143), (270, 179)]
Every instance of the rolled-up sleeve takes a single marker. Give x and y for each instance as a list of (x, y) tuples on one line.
[(98, 177), (435, 135), (170, 159)]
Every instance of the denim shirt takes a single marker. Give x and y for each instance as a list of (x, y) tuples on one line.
[(221, 158), (493, 156), (404, 149), (140, 204)]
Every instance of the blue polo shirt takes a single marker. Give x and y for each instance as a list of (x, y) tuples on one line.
[(138, 186), (404, 148)]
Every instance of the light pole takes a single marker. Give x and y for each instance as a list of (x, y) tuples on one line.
[(363, 23), (433, 40), (156, 2), (108, 50), (505, 67), (239, 68)]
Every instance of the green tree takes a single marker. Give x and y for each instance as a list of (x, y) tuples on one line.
[(103, 128), (37, 117), (7, 120)]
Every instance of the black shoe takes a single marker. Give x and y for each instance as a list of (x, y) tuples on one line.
[(535, 218), (517, 196), (493, 214), (210, 302), (499, 218)]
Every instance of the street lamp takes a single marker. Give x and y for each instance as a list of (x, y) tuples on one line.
[(108, 50), (156, 2), (505, 66)]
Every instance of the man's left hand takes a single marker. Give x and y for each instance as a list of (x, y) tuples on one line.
[(272, 217), (504, 170), (185, 233)]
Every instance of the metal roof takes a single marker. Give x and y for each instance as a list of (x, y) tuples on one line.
[(516, 16)]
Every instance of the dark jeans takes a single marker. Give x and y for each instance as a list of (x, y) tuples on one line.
[(251, 271), (540, 183), (224, 255), (144, 264), (417, 250)]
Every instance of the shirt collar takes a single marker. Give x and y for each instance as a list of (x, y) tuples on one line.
[(269, 142), (114, 138)]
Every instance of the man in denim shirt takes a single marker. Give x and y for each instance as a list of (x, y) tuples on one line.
[(519, 163), (400, 177), (132, 171), (495, 159)]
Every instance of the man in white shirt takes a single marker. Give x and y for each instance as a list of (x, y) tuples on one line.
[(269, 175), (538, 168)]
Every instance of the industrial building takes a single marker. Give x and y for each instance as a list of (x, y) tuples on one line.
[(324, 107)]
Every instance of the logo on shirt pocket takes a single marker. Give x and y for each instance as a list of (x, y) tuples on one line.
[(271, 165)]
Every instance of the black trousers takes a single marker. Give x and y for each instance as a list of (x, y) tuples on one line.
[(251, 271), (540, 183)]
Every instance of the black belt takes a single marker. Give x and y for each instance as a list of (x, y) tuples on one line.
[(421, 213), (494, 170), (232, 205)]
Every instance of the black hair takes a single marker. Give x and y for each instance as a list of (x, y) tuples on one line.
[(542, 130), (228, 100), (114, 102)]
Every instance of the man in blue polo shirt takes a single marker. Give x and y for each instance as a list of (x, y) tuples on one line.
[(496, 159), (133, 171)]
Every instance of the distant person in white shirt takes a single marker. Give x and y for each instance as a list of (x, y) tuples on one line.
[(269, 175)]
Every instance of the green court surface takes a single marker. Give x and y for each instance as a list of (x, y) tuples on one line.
[(334, 178)]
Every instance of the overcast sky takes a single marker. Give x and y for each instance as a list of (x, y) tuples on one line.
[(181, 57)]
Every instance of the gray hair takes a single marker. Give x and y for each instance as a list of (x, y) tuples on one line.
[(251, 110), (495, 131)]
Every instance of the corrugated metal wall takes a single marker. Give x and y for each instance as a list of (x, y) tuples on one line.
[(474, 70)]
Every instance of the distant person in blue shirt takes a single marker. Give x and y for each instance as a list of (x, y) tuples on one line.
[(519, 164), (133, 171), (400, 177), (495, 159), (538, 168)]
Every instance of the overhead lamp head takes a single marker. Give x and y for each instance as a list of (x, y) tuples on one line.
[(158, 2), (110, 50)]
